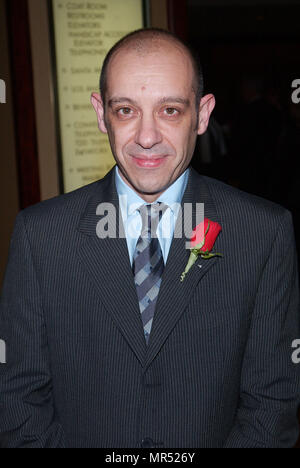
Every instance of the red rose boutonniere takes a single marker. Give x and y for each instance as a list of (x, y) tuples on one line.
[(202, 241)]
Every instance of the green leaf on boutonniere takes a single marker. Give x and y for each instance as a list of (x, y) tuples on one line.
[(210, 255), (193, 257)]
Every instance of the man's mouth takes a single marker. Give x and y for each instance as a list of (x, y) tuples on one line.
[(148, 161), (149, 156)]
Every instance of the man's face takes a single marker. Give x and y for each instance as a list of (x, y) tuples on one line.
[(150, 116)]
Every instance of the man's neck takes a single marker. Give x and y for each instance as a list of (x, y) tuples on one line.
[(148, 198)]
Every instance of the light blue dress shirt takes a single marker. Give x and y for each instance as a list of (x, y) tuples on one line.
[(130, 201)]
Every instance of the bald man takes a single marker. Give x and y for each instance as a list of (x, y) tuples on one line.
[(107, 344)]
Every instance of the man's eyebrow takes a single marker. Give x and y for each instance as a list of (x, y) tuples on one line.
[(164, 100), (120, 100), (176, 99)]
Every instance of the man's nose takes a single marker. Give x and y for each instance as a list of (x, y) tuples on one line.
[(148, 133)]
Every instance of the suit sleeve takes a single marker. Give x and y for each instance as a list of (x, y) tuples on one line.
[(27, 416), (270, 381)]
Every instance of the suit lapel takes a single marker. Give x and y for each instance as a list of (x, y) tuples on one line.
[(174, 295), (108, 265)]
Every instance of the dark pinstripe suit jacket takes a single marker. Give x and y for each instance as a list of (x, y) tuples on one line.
[(218, 371)]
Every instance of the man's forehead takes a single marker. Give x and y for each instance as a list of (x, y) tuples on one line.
[(165, 49), (164, 69), (170, 73), (138, 89)]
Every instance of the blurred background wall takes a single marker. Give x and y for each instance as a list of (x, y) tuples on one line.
[(9, 184)]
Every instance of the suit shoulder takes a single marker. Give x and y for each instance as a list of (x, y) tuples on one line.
[(68, 206), (235, 203)]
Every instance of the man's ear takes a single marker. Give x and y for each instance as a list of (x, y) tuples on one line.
[(207, 105), (97, 103)]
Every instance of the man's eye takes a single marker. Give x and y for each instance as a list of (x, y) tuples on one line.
[(171, 111), (124, 111)]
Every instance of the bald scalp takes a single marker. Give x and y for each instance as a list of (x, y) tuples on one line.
[(146, 41)]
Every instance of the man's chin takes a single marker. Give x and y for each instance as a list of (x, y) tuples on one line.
[(151, 191), (149, 185)]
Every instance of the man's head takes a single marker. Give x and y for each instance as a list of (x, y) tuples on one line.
[(152, 108)]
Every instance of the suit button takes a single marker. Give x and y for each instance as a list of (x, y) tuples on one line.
[(147, 443)]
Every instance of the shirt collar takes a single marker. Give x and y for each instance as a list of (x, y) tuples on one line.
[(173, 194)]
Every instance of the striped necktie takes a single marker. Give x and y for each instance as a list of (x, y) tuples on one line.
[(148, 264)]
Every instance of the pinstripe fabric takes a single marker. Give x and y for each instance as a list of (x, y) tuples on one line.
[(218, 369)]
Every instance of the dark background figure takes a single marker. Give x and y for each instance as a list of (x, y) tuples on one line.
[(258, 150), (255, 137), (211, 151), (286, 177), (250, 54)]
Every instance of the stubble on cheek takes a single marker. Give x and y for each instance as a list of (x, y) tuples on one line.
[(111, 135)]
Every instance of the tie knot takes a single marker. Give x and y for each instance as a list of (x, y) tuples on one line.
[(151, 216)]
